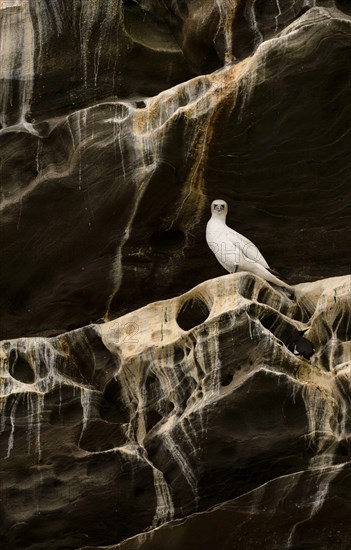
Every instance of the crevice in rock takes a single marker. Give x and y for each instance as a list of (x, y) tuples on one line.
[(342, 326), (247, 286), (271, 321), (303, 10)]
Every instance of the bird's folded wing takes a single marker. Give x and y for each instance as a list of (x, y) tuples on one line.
[(247, 248)]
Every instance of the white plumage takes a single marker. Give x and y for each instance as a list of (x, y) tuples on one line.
[(234, 251)]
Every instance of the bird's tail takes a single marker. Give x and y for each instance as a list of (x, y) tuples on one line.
[(278, 275), (272, 278)]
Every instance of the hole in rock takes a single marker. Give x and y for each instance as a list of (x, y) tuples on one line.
[(138, 491), (163, 241), (192, 313), (226, 379), (140, 104), (20, 368), (344, 5)]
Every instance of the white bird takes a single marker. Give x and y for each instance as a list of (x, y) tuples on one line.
[(234, 251)]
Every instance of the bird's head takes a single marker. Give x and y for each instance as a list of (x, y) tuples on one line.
[(219, 208)]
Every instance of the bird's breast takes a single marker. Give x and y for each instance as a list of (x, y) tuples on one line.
[(215, 230), (217, 240)]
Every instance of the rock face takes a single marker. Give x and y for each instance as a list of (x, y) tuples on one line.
[(187, 418), (184, 405), (106, 191)]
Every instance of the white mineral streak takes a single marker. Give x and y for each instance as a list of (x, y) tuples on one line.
[(164, 503), (196, 101), (278, 15), (96, 15), (226, 10), (49, 18), (317, 490), (253, 21), (325, 404), (16, 62), (182, 369), (42, 357), (283, 44), (85, 399), (326, 409), (141, 132)]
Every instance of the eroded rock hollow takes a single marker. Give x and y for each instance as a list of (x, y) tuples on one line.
[(147, 399)]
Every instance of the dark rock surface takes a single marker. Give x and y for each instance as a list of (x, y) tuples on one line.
[(262, 518), (187, 423), (104, 201)]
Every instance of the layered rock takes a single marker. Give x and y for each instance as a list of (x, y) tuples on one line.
[(102, 199), (175, 408), (190, 418)]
